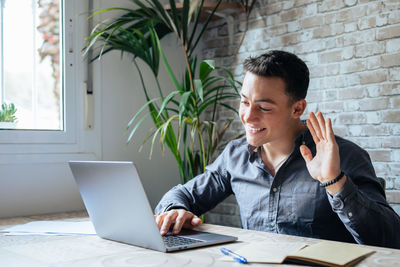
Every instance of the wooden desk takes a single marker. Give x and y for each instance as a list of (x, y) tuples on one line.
[(74, 251)]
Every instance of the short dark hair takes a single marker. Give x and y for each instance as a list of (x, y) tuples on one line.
[(285, 65)]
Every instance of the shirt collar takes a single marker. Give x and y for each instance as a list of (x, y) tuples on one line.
[(253, 151)]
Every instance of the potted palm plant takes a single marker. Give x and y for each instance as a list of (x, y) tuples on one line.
[(8, 120), (179, 117)]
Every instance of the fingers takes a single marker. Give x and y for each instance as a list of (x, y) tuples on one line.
[(178, 218), (312, 131), (313, 123), (306, 153), (317, 126), (196, 221), (186, 220), (169, 218), (159, 219), (321, 124), (190, 224), (330, 135)]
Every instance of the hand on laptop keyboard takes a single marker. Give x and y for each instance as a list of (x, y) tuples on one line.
[(178, 218)]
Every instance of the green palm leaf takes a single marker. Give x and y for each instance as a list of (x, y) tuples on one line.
[(179, 120)]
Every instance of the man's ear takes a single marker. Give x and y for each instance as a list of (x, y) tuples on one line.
[(298, 108)]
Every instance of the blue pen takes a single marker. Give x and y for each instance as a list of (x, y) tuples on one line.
[(235, 256)]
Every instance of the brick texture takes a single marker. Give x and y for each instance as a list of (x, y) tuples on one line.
[(353, 51)]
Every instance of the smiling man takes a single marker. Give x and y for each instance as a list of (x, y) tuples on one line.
[(288, 177)]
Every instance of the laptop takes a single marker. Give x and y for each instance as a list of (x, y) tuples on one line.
[(119, 209)]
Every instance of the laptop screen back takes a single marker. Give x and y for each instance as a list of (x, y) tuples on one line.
[(117, 203)]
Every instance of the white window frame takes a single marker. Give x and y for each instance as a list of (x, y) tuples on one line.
[(61, 145)]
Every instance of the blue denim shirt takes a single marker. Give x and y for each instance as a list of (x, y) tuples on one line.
[(292, 202)]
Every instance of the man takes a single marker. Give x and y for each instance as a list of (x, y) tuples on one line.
[(287, 177)]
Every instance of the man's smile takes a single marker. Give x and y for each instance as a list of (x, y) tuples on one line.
[(253, 130)]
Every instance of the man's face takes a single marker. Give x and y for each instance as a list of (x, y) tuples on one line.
[(265, 109)]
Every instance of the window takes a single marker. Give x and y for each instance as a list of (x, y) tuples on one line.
[(33, 160), (30, 58), (43, 73)]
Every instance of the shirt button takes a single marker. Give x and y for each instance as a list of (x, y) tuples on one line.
[(274, 189), (350, 214), (337, 203)]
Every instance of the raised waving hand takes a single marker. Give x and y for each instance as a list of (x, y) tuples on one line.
[(325, 165)]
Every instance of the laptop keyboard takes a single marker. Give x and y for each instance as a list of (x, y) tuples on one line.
[(174, 241)]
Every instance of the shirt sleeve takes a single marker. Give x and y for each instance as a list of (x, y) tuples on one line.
[(361, 204), (203, 192)]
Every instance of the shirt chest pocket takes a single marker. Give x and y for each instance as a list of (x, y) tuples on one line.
[(304, 201)]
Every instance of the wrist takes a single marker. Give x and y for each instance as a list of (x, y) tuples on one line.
[(333, 181), (336, 187)]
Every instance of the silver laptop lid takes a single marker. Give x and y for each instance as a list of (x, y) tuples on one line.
[(117, 203)]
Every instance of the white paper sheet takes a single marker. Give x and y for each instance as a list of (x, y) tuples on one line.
[(52, 228)]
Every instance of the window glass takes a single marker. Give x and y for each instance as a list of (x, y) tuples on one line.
[(31, 74)]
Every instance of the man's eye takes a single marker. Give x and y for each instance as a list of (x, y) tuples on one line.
[(244, 102), (265, 109)]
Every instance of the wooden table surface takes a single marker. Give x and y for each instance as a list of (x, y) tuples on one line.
[(74, 251)]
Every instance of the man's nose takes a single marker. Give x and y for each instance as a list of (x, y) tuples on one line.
[(250, 114)]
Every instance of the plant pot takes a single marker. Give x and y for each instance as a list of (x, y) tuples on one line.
[(7, 125)]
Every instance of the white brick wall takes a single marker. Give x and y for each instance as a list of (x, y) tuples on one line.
[(352, 48)]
